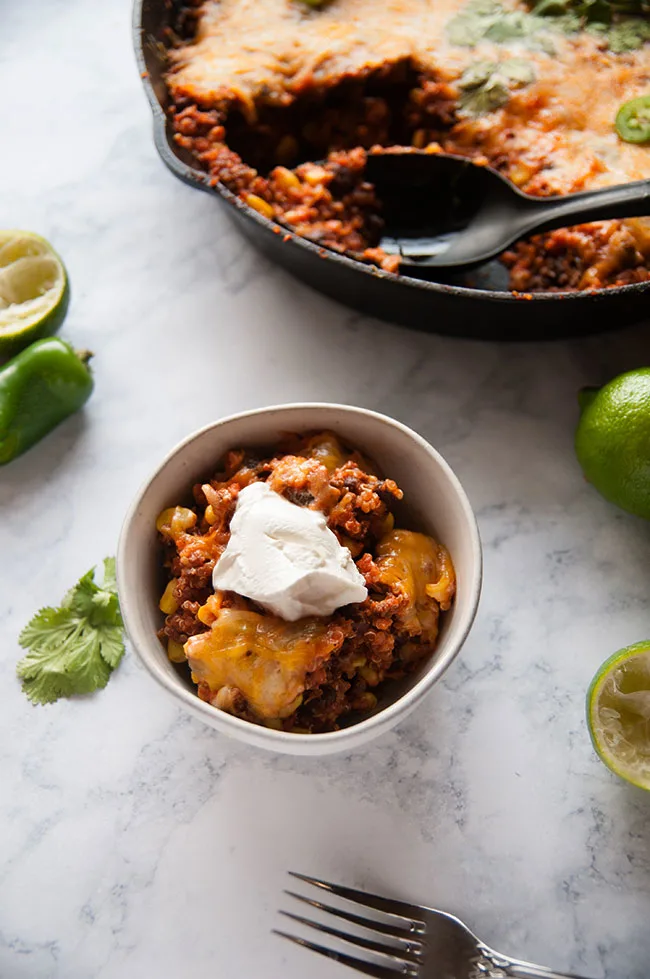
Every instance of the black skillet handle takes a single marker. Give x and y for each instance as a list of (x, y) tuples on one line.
[(624, 201)]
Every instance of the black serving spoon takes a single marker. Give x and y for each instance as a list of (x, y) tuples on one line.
[(443, 211)]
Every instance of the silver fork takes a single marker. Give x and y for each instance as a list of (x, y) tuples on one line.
[(422, 943)]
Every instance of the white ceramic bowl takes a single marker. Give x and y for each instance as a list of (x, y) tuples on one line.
[(436, 504)]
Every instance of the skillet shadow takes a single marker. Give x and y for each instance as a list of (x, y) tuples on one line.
[(449, 390)]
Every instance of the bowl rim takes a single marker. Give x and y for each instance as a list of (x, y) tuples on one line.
[(281, 740)]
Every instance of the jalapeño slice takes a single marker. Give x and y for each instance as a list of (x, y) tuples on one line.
[(633, 120)]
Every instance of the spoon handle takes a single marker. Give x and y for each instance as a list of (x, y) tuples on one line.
[(625, 201)]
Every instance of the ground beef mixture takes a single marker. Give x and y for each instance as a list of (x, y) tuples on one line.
[(347, 656), (590, 256), (329, 202)]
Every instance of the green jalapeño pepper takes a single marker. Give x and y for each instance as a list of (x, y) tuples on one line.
[(633, 120), (39, 388)]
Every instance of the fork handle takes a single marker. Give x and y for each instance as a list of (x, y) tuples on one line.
[(526, 970)]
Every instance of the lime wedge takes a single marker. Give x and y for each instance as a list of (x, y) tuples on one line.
[(33, 290), (618, 713)]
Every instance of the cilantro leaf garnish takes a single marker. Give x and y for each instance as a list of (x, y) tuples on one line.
[(629, 35), (611, 20), (490, 20), (73, 648), (622, 25), (487, 85)]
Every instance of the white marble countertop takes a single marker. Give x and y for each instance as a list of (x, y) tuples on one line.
[(134, 841)]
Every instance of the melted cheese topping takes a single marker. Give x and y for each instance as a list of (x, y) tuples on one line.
[(558, 132), (420, 569), (268, 659), (327, 449), (264, 657)]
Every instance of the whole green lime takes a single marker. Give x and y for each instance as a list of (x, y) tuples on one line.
[(613, 440)]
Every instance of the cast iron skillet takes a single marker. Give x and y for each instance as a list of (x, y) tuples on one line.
[(474, 305)]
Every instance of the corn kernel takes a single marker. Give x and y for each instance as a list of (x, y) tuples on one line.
[(353, 668), (163, 523), (285, 178), (366, 701), (210, 515), (260, 205), (182, 520), (521, 173), (169, 603), (175, 520), (369, 675), (175, 651), (314, 175)]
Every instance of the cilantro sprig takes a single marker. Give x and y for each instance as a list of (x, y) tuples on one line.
[(599, 11), (621, 25), (74, 648), (487, 85)]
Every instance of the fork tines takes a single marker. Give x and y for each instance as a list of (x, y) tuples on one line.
[(401, 924)]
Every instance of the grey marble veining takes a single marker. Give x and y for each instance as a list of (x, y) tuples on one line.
[(135, 842)]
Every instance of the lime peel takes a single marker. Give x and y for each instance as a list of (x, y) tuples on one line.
[(618, 713)]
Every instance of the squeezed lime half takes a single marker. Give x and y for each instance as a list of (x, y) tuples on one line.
[(34, 290), (618, 713)]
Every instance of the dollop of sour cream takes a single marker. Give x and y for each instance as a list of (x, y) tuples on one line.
[(286, 558)]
